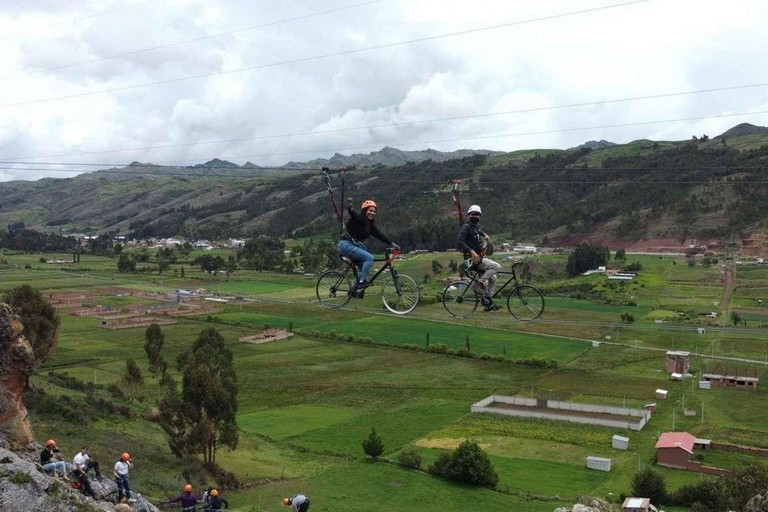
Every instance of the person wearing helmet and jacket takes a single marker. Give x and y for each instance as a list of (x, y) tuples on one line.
[(215, 501), (471, 240), (187, 499), (121, 476), (299, 502), (50, 459), (361, 226)]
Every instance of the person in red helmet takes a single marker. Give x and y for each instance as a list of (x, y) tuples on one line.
[(187, 499), (50, 459), (299, 502), (121, 476), (361, 226)]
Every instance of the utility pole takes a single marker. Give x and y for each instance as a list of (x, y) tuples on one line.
[(673, 419)]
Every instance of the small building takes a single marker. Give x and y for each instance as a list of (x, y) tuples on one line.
[(620, 443), (704, 384), (732, 381), (661, 394), (637, 505), (599, 463), (678, 362), (651, 407), (674, 449), (701, 330), (676, 376), (702, 444)]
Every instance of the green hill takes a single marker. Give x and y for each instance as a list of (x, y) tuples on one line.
[(643, 189)]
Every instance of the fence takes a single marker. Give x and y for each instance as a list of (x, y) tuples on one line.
[(590, 411), (760, 452)]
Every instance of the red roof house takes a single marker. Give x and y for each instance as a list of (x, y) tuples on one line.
[(674, 449)]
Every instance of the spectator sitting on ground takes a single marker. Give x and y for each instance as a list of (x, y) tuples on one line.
[(50, 459)]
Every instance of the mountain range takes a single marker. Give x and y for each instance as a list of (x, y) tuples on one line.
[(643, 189)]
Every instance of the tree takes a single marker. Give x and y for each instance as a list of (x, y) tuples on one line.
[(153, 346), (39, 319), (468, 464), (453, 265), (203, 415), (648, 483), (471, 465), (162, 265), (126, 263), (437, 267), (373, 446), (620, 255), (586, 257), (627, 317), (735, 318), (132, 374), (409, 459)]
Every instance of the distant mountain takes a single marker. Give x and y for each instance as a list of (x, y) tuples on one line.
[(389, 156), (595, 144), (743, 129), (650, 189)]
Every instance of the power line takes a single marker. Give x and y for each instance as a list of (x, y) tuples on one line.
[(411, 123), (90, 16), (203, 38), (321, 56), (425, 182), (482, 137)]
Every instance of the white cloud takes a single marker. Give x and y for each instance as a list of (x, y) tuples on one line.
[(644, 49)]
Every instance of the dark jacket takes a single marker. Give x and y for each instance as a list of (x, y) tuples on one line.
[(186, 499), (360, 227), (215, 502), (471, 238), (46, 456)]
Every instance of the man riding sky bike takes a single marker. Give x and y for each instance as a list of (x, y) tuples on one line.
[(361, 226), (471, 239)]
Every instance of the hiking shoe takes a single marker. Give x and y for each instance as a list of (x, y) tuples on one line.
[(492, 307), (358, 289)]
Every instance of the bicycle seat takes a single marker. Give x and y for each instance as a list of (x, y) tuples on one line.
[(345, 259)]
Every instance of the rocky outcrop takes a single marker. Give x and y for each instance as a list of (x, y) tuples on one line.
[(587, 504), (758, 504), (17, 361), (24, 487)]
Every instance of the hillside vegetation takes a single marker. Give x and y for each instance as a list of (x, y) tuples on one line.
[(644, 189)]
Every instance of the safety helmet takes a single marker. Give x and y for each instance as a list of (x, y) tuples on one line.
[(214, 492), (50, 442), (367, 204), (125, 456), (474, 209), (187, 488), (286, 501)]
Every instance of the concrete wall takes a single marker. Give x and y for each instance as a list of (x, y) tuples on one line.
[(643, 415)]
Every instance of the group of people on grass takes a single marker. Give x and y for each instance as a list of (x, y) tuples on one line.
[(361, 225)]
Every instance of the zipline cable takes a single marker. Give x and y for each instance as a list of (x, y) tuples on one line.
[(319, 56)]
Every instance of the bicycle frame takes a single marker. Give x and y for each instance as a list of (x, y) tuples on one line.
[(474, 278), (391, 255)]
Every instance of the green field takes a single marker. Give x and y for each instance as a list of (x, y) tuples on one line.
[(306, 404)]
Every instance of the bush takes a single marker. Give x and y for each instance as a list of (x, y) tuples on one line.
[(468, 464), (438, 348), (451, 352), (411, 346), (409, 459), (462, 352), (649, 483), (440, 466), (351, 338), (634, 267), (485, 356), (20, 478)]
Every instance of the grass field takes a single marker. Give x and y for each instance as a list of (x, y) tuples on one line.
[(306, 404)]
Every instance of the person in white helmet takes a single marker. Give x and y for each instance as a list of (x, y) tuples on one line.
[(471, 240)]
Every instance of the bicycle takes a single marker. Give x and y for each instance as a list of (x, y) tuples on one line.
[(399, 292), (524, 302)]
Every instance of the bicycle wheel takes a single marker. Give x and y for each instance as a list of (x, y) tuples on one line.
[(459, 299), (333, 289), (525, 303), (400, 294)]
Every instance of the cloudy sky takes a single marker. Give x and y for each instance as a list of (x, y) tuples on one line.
[(83, 81)]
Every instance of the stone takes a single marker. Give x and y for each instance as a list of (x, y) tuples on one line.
[(758, 504), (582, 508), (17, 362)]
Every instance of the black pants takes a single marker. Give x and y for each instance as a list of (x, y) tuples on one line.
[(84, 483), (304, 507)]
